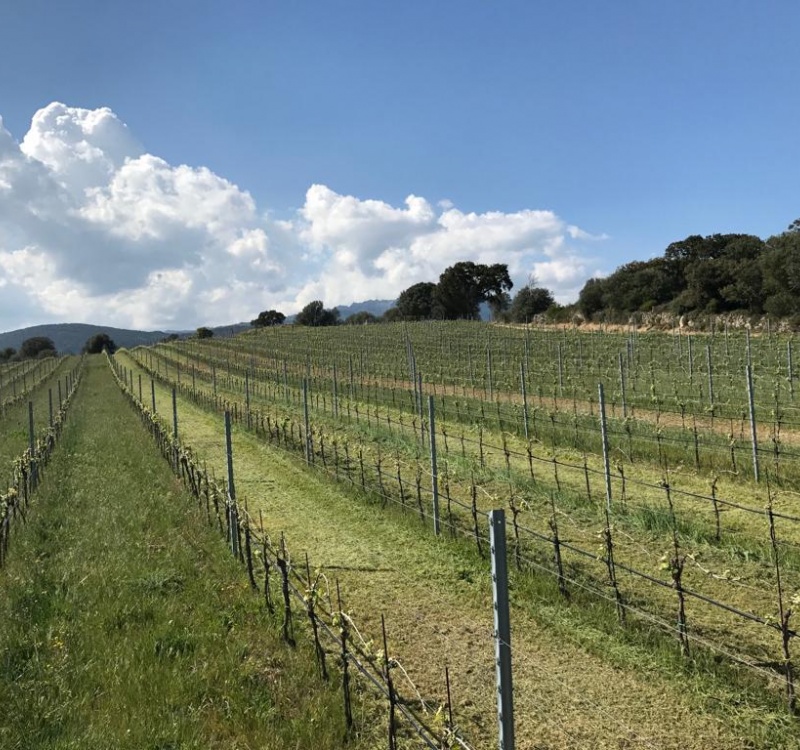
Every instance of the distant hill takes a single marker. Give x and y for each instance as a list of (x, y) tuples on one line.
[(376, 307), (71, 337)]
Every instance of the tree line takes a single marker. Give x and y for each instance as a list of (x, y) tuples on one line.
[(458, 295), (36, 347), (716, 274)]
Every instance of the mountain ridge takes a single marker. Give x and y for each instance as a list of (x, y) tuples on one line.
[(69, 338)]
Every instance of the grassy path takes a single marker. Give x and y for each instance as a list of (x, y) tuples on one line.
[(574, 686), (124, 623)]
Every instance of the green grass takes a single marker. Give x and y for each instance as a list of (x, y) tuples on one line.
[(124, 622)]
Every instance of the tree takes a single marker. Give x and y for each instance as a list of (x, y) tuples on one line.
[(463, 286), (416, 302), (642, 285), (590, 299), (794, 226), (780, 267), (725, 276), (99, 342), (7, 353), (392, 315), (268, 318), (529, 302), (33, 347), (315, 314), (204, 333)]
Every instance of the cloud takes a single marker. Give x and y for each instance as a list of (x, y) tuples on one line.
[(94, 228)]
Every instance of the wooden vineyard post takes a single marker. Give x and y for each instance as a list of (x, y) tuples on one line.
[(753, 428), (31, 445), (233, 515), (676, 565), (784, 615), (710, 366), (490, 373), (502, 629), (604, 437), (30, 427), (612, 569), (345, 662), (153, 393), (350, 373), (50, 403), (140, 390), (247, 398), (790, 369), (307, 435), (434, 468), (335, 393), (387, 676), (524, 398), (622, 385), (282, 561), (527, 344), (175, 429), (174, 413), (60, 398)]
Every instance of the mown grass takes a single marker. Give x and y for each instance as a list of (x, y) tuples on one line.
[(642, 520), (124, 623)]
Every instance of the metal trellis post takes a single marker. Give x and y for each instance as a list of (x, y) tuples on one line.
[(502, 629)]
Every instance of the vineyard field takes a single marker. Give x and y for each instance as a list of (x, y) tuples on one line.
[(674, 553), (650, 484)]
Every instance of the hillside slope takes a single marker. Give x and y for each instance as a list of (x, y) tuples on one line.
[(70, 337)]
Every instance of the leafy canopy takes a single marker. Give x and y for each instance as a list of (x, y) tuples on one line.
[(268, 318), (315, 314), (529, 302), (97, 343), (464, 286), (37, 346)]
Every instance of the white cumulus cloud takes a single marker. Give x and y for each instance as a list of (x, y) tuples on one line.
[(94, 228)]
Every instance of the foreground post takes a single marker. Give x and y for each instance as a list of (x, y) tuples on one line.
[(34, 475), (434, 469), (174, 414), (604, 436), (31, 434), (753, 428), (524, 398), (502, 629), (233, 515), (306, 423)]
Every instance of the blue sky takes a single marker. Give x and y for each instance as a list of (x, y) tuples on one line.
[(637, 122)]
